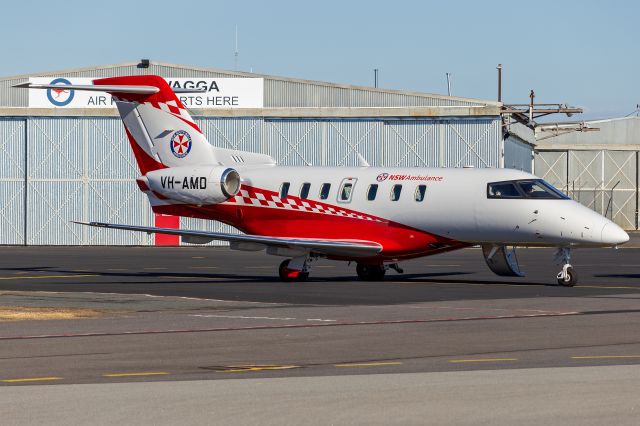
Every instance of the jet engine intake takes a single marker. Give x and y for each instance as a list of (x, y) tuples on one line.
[(196, 184), (502, 260)]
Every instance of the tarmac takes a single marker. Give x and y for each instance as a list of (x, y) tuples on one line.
[(204, 334)]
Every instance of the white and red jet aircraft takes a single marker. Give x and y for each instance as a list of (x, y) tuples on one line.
[(374, 216)]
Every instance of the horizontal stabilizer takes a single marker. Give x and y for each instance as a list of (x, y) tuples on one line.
[(143, 90), (347, 248)]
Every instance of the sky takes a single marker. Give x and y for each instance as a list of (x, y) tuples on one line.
[(582, 53)]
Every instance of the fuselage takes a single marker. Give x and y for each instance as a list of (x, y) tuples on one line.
[(414, 211)]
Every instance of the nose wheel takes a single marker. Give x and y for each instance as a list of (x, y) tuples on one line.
[(567, 277)]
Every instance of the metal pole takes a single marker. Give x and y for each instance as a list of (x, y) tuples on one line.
[(532, 96), (375, 77), (235, 54), (25, 229), (449, 83), (499, 82)]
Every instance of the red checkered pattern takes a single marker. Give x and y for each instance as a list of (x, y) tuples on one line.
[(249, 196), (172, 108)]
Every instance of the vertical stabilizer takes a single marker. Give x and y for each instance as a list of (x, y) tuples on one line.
[(160, 130)]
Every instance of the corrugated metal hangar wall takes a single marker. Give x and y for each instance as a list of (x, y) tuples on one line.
[(63, 165)]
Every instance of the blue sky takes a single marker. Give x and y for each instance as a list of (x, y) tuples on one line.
[(583, 53)]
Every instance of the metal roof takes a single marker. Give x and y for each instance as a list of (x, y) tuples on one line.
[(280, 92), (614, 133)]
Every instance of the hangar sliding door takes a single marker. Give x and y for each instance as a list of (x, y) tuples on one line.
[(344, 139), (81, 169), (12, 178), (603, 180)]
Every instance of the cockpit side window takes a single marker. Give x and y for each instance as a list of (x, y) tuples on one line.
[(552, 189), (533, 189), (503, 190), (525, 188)]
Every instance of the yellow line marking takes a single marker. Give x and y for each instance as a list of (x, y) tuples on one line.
[(117, 269), (483, 360), (247, 368), (148, 373), (40, 277), (367, 364), (604, 356), (31, 379)]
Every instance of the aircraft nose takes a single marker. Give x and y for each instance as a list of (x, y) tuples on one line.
[(613, 234)]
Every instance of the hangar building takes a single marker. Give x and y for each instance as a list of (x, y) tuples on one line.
[(65, 157), (598, 168)]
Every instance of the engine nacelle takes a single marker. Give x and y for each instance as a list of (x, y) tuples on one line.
[(195, 184)]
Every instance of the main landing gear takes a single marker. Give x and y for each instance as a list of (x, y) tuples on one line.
[(567, 277), (298, 268), (375, 272), (288, 273)]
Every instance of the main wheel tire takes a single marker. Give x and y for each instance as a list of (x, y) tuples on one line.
[(570, 280), (289, 275), (367, 272)]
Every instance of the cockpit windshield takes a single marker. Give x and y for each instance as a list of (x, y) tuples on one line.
[(526, 188)]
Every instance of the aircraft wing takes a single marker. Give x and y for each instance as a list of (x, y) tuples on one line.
[(274, 245)]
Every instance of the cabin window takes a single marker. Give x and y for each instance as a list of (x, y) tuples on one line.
[(324, 191), (420, 191), (284, 190), (304, 190), (371, 193), (395, 192), (345, 192)]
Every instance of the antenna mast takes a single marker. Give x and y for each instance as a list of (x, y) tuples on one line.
[(235, 55)]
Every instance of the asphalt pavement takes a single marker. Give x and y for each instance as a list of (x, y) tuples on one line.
[(172, 317)]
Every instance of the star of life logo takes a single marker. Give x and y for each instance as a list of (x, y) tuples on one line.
[(180, 144), (60, 97)]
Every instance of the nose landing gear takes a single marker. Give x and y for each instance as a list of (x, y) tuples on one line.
[(567, 277)]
